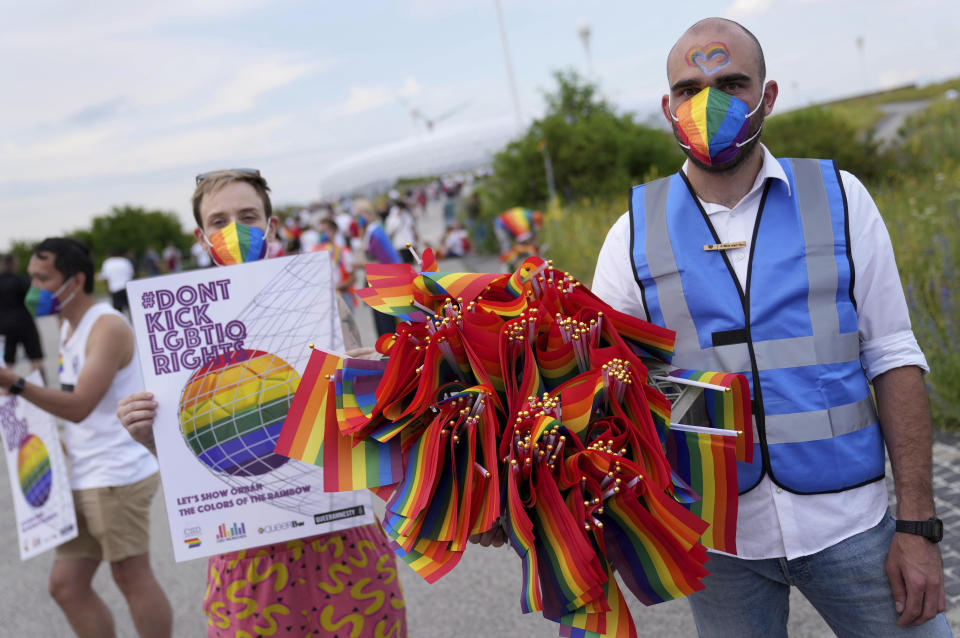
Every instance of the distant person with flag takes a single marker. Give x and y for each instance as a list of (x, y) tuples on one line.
[(516, 225), (333, 241), (235, 222), (379, 250), (782, 269), (516, 231)]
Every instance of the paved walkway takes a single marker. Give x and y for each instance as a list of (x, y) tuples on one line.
[(946, 488)]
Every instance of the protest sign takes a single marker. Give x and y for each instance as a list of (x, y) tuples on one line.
[(222, 350), (42, 500)]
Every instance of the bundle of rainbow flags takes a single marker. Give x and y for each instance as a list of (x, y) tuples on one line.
[(523, 401)]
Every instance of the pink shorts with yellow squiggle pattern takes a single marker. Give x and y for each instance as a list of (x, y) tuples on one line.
[(341, 584)]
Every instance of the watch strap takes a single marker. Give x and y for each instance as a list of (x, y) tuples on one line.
[(931, 529)]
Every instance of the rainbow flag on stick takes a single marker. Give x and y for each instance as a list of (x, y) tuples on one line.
[(705, 459), (302, 435), (727, 398), (354, 464), (311, 432)]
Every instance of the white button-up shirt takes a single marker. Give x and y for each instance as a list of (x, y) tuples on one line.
[(772, 522)]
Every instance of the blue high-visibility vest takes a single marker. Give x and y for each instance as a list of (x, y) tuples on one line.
[(792, 329)]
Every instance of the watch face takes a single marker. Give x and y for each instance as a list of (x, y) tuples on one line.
[(936, 534)]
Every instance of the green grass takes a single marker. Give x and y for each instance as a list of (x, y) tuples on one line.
[(864, 113), (901, 94), (573, 235), (922, 215)]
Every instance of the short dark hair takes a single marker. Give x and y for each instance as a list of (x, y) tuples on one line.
[(70, 256)]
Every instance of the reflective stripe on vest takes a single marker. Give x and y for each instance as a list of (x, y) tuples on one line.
[(794, 334)]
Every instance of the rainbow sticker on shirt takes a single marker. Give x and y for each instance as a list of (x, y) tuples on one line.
[(34, 471)]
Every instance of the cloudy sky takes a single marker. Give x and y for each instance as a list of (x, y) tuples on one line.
[(107, 102)]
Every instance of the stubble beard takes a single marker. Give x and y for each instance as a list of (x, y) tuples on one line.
[(734, 162)]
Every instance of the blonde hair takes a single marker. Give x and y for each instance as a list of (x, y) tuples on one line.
[(214, 181), (364, 208)]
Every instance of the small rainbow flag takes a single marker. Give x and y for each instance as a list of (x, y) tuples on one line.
[(461, 284), (311, 433), (354, 464), (707, 463), (380, 248), (302, 435), (727, 409), (356, 382), (653, 563), (429, 261), (652, 340)]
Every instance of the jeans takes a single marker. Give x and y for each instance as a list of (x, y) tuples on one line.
[(846, 583)]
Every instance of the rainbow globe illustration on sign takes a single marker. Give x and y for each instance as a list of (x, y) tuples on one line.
[(232, 411), (34, 471)]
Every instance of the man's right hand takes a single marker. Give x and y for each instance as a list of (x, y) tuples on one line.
[(137, 413)]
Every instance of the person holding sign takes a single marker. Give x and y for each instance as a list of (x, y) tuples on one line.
[(113, 478), (783, 268), (341, 581)]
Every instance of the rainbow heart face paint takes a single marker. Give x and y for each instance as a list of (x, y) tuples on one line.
[(710, 58), (713, 126), (237, 244)]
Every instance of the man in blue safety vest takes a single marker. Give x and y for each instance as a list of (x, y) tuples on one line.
[(782, 269)]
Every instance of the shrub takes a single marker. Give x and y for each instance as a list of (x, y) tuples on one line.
[(594, 151), (823, 133)]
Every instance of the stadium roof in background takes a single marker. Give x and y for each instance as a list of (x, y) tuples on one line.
[(444, 150)]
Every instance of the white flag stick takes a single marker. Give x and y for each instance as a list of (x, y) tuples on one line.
[(696, 428), (699, 384)]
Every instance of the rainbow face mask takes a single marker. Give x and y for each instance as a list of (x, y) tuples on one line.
[(712, 126), (237, 244), (41, 302)]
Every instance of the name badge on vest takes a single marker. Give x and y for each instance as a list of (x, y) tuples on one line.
[(730, 245)]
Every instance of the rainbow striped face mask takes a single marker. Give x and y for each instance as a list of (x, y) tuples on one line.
[(41, 302), (712, 126), (237, 244)]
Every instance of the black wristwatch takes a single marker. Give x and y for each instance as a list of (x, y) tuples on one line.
[(18, 387), (931, 529)]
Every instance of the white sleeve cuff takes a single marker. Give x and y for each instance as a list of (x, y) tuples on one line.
[(891, 351)]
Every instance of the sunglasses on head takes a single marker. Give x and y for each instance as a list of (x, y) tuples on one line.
[(252, 172)]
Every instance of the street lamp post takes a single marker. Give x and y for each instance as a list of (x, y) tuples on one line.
[(506, 58), (583, 30)]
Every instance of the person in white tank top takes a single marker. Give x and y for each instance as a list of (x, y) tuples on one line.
[(113, 477)]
